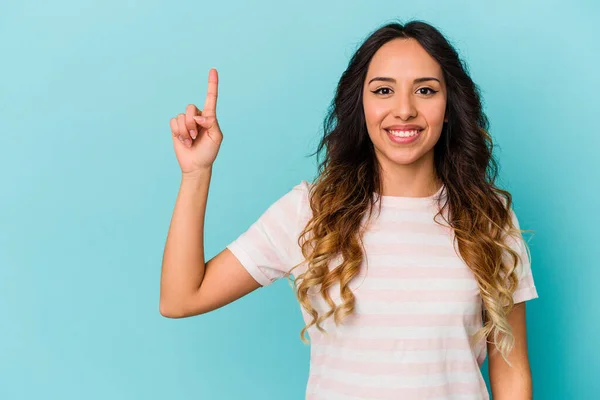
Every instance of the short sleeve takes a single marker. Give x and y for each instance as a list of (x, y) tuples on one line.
[(268, 248), (526, 289)]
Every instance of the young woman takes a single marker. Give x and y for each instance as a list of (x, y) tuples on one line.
[(407, 260)]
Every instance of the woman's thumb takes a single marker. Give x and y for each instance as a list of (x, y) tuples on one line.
[(205, 122)]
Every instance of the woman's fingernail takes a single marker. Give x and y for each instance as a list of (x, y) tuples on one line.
[(193, 134), (188, 142), (180, 138)]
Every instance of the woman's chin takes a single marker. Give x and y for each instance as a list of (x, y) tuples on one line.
[(404, 157)]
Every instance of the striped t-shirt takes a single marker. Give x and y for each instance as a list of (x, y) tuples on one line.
[(417, 303)]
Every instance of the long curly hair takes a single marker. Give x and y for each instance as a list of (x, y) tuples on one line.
[(349, 174)]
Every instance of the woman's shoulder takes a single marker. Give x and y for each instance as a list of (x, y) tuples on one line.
[(300, 192), (300, 195), (303, 186), (295, 199)]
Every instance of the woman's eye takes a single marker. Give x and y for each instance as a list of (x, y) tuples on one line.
[(380, 91), (430, 90), (424, 91)]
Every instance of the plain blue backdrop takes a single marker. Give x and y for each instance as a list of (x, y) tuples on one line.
[(89, 179)]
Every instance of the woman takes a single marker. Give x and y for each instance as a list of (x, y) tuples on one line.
[(407, 260)]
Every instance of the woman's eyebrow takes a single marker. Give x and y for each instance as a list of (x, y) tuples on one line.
[(392, 80)]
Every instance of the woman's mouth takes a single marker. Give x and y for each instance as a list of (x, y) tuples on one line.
[(404, 136)]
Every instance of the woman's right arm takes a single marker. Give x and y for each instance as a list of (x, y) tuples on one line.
[(189, 285)]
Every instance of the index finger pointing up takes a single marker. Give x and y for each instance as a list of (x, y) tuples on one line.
[(210, 105)]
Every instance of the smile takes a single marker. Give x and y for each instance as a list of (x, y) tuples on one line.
[(403, 137)]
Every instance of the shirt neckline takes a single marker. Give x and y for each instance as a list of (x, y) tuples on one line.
[(412, 201)]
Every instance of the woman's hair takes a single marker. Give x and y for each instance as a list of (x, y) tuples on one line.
[(349, 176)]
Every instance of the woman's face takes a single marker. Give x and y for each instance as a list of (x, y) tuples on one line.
[(404, 100)]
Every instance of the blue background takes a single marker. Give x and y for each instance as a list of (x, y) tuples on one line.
[(89, 180)]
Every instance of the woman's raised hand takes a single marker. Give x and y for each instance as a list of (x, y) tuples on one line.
[(196, 134)]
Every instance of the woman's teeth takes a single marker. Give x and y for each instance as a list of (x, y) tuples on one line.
[(403, 133)]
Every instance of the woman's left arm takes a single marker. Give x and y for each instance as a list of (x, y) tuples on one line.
[(512, 383)]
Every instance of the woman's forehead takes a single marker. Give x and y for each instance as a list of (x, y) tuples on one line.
[(403, 59)]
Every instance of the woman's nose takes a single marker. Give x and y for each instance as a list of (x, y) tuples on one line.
[(404, 107)]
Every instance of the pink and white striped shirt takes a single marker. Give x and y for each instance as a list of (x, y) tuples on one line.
[(417, 303)]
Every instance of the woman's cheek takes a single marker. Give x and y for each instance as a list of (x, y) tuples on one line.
[(375, 113), (435, 114)]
